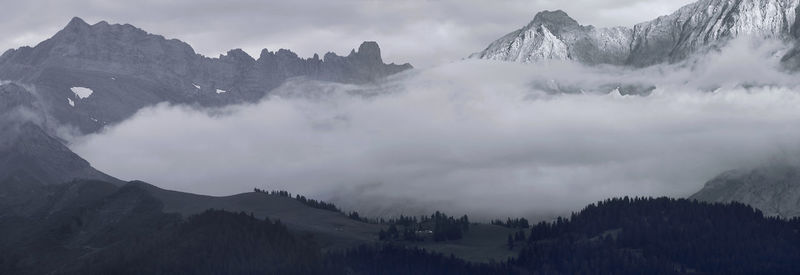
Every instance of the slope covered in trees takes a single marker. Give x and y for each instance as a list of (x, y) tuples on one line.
[(663, 236), (220, 242), (99, 228), (214, 242), (438, 227)]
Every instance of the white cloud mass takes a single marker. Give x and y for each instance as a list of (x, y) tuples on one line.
[(472, 136)]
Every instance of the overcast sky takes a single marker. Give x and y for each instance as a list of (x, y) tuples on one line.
[(423, 32)]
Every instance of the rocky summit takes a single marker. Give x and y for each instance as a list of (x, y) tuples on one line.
[(695, 28), (124, 68), (87, 77)]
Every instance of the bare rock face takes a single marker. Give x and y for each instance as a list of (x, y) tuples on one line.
[(693, 29), (775, 190), (128, 68), (15, 98), (555, 35), (90, 76), (710, 23)]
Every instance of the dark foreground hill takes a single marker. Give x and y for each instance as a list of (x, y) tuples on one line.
[(93, 227), (664, 236), (31, 159)]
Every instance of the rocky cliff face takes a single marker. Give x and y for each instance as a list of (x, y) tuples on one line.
[(775, 189), (29, 156), (90, 76), (555, 35), (707, 24), (127, 68), (703, 25)]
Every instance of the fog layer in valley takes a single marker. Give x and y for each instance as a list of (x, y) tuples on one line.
[(475, 137)]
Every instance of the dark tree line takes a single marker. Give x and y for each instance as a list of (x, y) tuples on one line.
[(214, 242), (517, 237), (663, 236), (403, 228), (447, 228), (391, 259), (406, 233), (280, 193), (407, 222), (220, 242), (438, 227), (317, 204), (512, 223), (615, 236), (302, 199)]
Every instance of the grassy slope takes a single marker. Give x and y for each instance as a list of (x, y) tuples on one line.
[(332, 229), (482, 243)]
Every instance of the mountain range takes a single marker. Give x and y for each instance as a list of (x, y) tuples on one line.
[(130, 69), (60, 215), (87, 77), (693, 29)]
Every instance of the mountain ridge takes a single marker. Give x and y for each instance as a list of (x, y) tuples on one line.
[(88, 77), (695, 28), (129, 68), (773, 189)]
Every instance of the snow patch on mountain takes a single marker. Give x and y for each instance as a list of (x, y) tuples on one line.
[(82, 92), (551, 47)]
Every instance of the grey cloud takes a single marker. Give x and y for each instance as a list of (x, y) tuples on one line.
[(473, 136)]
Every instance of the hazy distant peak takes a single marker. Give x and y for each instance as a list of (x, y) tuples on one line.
[(774, 189)]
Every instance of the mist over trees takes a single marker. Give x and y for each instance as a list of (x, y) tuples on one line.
[(302, 199)]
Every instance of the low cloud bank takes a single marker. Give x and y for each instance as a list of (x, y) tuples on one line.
[(475, 137)]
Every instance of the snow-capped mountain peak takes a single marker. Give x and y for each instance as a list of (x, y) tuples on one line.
[(703, 25)]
